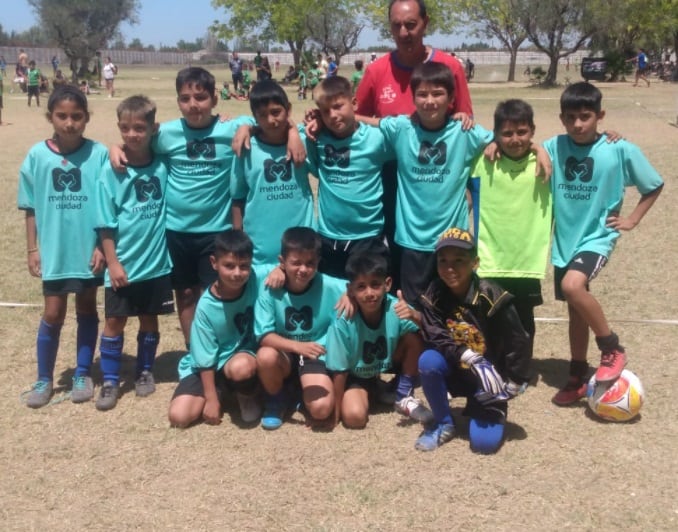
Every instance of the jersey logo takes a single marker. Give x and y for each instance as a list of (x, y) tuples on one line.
[(298, 318), (374, 350), (387, 95), (147, 190), (71, 180), (201, 148), (432, 153), (579, 170), (339, 156), (244, 322), (277, 170)]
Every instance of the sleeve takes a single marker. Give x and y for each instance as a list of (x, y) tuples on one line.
[(339, 346), (239, 186), (516, 343), (204, 344), (25, 198), (264, 314), (435, 333), (365, 94), (389, 127), (105, 201), (639, 172), (482, 137)]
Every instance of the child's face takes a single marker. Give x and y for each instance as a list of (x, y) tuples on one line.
[(69, 121), (338, 115), (272, 118), (196, 105), (582, 124), (136, 133), (300, 267), (515, 139), (431, 102), (232, 270), (455, 268), (368, 291)]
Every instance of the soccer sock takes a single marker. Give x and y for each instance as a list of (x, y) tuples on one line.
[(433, 369), (609, 343), (246, 387), (147, 346), (111, 356), (405, 386), (88, 325), (47, 346)]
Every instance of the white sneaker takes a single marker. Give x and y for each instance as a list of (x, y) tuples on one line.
[(412, 408), (250, 409)]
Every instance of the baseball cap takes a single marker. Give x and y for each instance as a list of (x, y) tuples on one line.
[(456, 238)]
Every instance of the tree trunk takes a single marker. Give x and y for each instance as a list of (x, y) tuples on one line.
[(512, 64), (552, 73)]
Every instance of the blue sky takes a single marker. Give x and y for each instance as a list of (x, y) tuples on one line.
[(166, 22)]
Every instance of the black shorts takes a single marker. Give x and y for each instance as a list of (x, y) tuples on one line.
[(69, 286), (33, 90), (335, 253), (145, 298), (190, 253), (369, 384), (192, 385), (417, 269), (524, 291), (587, 262), (307, 366)]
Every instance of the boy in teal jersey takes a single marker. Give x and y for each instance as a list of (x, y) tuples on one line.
[(33, 83), (57, 191), (291, 326), (131, 228), (269, 193), (434, 157), (383, 334), (347, 158), (589, 177), (512, 212), (222, 354)]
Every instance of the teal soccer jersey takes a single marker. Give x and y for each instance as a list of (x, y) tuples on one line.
[(221, 328), (350, 188), (200, 160), (361, 350), (61, 189), (302, 317), (433, 170), (587, 185), (132, 204), (276, 194)]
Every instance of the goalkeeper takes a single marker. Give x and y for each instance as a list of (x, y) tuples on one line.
[(476, 347)]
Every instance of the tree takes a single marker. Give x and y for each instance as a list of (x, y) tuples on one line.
[(443, 16), (81, 27), (334, 28)]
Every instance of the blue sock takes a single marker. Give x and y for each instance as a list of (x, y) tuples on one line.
[(47, 346), (433, 369), (405, 386), (147, 346), (111, 356), (88, 325)]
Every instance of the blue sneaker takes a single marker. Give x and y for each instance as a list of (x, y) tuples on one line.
[(434, 437), (272, 418)]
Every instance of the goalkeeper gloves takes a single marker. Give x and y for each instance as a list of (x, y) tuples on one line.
[(491, 387)]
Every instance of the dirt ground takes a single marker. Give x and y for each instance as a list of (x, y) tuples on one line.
[(70, 467)]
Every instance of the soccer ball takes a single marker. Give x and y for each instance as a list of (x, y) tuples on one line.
[(619, 400)]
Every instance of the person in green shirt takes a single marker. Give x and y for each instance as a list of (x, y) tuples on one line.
[(357, 75), (33, 83)]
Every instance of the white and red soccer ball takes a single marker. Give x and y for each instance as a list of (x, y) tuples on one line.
[(619, 400)]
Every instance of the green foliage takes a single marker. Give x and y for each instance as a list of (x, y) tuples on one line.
[(443, 16)]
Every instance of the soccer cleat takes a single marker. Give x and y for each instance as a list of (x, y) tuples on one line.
[(433, 438), (574, 390), (412, 408), (40, 394), (272, 417), (83, 389), (611, 365), (250, 409), (145, 384), (108, 396)]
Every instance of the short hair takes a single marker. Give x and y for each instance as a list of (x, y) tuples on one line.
[(138, 105), (196, 76), (330, 88), (265, 92), (67, 92), (420, 3), (31, 63), (581, 95), (513, 110), (358, 64), (300, 239), (366, 263), (436, 74), (233, 241)]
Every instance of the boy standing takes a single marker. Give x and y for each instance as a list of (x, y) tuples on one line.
[(222, 341), (33, 83), (589, 176), (291, 325), (131, 228), (477, 347), (381, 335)]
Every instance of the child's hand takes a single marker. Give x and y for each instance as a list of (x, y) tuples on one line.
[(211, 412), (467, 121), (620, 224), (404, 311), (492, 151), (275, 278), (34, 267), (345, 306), (613, 136), (544, 167), (98, 262), (117, 158), (118, 275), (310, 349), (296, 151), (241, 139), (313, 124)]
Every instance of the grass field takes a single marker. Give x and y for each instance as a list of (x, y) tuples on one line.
[(70, 467)]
